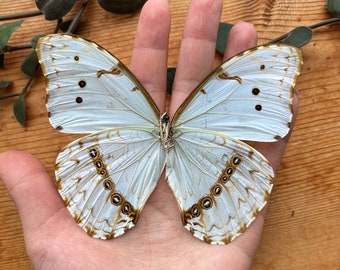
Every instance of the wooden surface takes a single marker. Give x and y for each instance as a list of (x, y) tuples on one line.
[(302, 224)]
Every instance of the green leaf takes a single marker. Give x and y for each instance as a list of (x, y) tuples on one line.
[(122, 6), (4, 84), (35, 40), (63, 26), (30, 64), (54, 9), (299, 36), (19, 110), (334, 7), (6, 31), (170, 79), (222, 36)]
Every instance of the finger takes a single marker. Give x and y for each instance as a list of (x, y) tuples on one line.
[(150, 53), (197, 50), (31, 189), (274, 151), (242, 36)]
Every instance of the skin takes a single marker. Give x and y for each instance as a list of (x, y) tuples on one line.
[(159, 241)]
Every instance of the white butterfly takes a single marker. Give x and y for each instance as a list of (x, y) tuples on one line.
[(220, 183)]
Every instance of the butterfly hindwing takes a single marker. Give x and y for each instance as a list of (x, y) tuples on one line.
[(249, 97), (101, 178), (220, 184), (88, 89)]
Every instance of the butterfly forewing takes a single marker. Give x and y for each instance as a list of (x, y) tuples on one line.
[(220, 184), (88, 89), (101, 178), (248, 97)]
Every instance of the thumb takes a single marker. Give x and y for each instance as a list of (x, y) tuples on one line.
[(31, 189)]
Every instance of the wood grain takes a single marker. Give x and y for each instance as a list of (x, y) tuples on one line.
[(302, 224)]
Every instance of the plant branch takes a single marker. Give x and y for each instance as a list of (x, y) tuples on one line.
[(21, 15), (16, 48), (313, 26), (326, 22), (24, 90), (77, 18), (9, 95), (70, 29)]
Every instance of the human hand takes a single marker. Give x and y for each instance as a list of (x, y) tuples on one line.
[(159, 241)]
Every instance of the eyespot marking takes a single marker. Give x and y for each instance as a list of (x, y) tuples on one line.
[(126, 208), (108, 184), (79, 100), (116, 199), (216, 190), (195, 211), (255, 91), (82, 83), (237, 161), (206, 203), (93, 153)]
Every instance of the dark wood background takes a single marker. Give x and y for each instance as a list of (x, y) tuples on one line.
[(302, 224)]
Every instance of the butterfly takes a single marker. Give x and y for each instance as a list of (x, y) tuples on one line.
[(220, 182)]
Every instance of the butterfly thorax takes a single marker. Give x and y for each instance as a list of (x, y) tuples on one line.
[(165, 132)]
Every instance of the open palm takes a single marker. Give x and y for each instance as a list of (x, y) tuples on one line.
[(159, 241)]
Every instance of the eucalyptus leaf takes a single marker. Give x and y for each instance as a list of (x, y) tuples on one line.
[(334, 7), (54, 9), (63, 26), (170, 79), (222, 36), (122, 6), (4, 84), (19, 110), (29, 65), (6, 31), (35, 40), (299, 36)]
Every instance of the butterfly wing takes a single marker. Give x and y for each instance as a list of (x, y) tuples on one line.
[(249, 97), (220, 184), (106, 178), (88, 89)]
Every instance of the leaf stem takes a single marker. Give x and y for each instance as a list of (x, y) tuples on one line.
[(17, 48), (329, 21), (313, 26), (21, 15), (77, 18), (24, 90), (28, 84), (9, 95)]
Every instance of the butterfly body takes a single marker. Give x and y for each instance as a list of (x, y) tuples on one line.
[(220, 182), (165, 132)]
